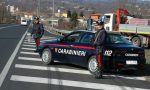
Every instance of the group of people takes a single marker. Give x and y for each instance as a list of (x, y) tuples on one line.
[(99, 43)]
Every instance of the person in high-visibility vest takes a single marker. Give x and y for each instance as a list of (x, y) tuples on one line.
[(99, 43), (37, 32)]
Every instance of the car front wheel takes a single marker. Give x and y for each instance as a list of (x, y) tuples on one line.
[(47, 56), (94, 68)]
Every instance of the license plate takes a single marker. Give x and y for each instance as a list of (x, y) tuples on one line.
[(129, 62)]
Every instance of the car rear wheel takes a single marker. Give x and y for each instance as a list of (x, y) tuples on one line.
[(136, 41), (94, 68), (47, 56)]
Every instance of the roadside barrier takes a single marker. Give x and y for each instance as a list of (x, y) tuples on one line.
[(56, 31)]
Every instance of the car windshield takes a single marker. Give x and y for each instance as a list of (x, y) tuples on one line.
[(117, 39)]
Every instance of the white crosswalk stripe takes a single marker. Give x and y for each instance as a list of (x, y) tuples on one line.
[(32, 41), (86, 72), (29, 53), (52, 69), (71, 83), (48, 37), (29, 59), (43, 39), (29, 43), (25, 45), (30, 49)]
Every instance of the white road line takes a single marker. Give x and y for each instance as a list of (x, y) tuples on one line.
[(66, 70), (25, 45), (52, 69), (71, 83), (40, 40), (32, 41), (127, 77), (29, 59), (32, 49), (29, 53), (8, 26), (11, 59), (29, 43), (44, 37), (47, 38)]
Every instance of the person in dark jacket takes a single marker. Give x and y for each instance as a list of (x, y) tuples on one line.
[(99, 43), (101, 34), (37, 32)]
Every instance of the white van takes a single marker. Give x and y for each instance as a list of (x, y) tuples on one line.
[(24, 22)]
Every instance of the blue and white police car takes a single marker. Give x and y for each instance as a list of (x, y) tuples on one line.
[(77, 48)]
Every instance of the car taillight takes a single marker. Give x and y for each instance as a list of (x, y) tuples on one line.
[(120, 65), (141, 53)]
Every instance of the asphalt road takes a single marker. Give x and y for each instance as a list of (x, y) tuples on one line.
[(3, 25), (9, 38), (27, 72)]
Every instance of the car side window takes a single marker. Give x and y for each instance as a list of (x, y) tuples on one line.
[(72, 37), (88, 38)]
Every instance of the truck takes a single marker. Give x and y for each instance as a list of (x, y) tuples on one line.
[(137, 33)]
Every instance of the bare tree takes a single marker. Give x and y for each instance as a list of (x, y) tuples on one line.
[(2, 11)]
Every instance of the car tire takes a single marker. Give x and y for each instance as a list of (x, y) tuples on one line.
[(47, 57), (136, 41), (93, 67)]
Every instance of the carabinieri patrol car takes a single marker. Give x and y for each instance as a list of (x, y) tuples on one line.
[(77, 48)]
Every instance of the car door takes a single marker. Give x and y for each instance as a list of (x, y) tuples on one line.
[(83, 48), (58, 51), (67, 42)]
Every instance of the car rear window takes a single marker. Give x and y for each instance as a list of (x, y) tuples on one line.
[(117, 39)]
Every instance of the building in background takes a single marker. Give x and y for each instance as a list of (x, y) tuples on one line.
[(12, 9)]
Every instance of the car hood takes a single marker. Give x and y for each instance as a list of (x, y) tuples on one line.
[(53, 41)]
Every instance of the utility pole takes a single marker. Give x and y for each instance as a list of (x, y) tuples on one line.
[(3, 11), (38, 7), (53, 14)]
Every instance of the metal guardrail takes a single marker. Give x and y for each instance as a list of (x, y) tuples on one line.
[(56, 31)]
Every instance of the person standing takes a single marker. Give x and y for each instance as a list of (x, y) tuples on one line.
[(37, 32), (99, 43)]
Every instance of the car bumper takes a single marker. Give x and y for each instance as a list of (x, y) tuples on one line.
[(123, 65)]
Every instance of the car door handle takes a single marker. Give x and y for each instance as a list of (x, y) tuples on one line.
[(71, 45)]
